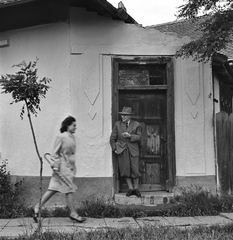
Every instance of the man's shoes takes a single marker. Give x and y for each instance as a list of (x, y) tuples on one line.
[(129, 193), (137, 193)]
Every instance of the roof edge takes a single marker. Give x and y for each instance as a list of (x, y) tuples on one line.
[(117, 12), (16, 3), (120, 12)]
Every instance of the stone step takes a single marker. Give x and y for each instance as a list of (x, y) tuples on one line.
[(147, 199)]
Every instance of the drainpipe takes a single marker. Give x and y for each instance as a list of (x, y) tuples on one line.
[(227, 66), (214, 135)]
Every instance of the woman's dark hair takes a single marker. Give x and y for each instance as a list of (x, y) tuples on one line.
[(66, 123)]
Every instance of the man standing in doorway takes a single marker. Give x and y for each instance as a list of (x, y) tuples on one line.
[(124, 140)]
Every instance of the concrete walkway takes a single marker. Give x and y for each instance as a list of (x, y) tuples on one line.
[(21, 226)]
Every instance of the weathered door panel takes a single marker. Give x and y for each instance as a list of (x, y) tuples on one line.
[(146, 84), (150, 110)]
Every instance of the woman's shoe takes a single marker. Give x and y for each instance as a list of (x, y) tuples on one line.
[(78, 219), (35, 215)]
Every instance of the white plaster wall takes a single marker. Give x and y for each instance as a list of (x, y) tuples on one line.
[(193, 96), (51, 45), (91, 99), (69, 95), (78, 58), (94, 40), (194, 119), (94, 34)]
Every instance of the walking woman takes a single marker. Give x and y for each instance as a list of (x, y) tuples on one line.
[(64, 155)]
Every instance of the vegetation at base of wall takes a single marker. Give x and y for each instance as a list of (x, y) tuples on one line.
[(11, 204), (100, 207), (145, 232), (197, 201), (193, 201)]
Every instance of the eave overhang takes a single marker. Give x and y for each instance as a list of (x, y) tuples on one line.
[(16, 14)]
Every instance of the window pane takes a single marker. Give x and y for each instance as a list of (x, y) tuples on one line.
[(136, 74), (131, 74)]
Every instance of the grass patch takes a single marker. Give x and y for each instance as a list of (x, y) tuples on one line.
[(196, 201)]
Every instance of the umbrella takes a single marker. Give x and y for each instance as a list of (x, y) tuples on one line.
[(60, 176)]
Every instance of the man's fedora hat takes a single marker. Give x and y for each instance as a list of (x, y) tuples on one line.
[(126, 111)]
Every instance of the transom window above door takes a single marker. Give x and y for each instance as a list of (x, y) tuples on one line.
[(138, 74)]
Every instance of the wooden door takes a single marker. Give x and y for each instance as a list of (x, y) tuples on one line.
[(150, 110), (146, 85)]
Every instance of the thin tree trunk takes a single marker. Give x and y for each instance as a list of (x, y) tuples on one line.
[(41, 166)]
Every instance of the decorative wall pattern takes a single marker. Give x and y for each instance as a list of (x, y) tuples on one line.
[(193, 73), (194, 118), (91, 82)]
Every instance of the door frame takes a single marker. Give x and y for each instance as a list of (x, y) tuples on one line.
[(168, 60)]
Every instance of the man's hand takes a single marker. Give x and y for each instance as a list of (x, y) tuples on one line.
[(126, 135)]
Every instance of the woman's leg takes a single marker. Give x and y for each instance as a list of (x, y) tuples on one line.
[(73, 214), (70, 203), (47, 195)]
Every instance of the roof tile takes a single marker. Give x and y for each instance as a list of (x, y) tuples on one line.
[(188, 28)]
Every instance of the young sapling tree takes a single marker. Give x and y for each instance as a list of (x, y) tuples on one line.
[(25, 86)]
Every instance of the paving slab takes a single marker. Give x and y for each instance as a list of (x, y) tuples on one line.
[(55, 221), (121, 222), (26, 226), (213, 220), (153, 221), (89, 223), (4, 222), (18, 226), (60, 229), (16, 231), (183, 221), (92, 223), (69, 229), (18, 222), (227, 215)]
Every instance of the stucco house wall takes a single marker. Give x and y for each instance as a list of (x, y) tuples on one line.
[(77, 56), (195, 155)]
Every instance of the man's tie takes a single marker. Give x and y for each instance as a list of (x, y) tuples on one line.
[(127, 125)]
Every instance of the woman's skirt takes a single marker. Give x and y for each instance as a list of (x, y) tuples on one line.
[(57, 184)]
